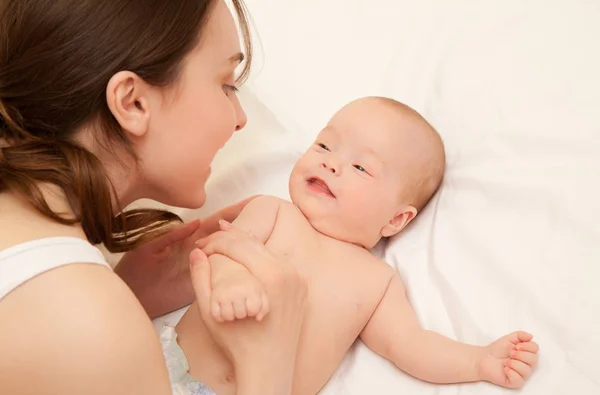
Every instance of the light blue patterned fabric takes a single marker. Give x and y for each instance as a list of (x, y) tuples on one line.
[(181, 382)]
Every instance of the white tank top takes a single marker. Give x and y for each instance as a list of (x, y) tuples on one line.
[(24, 261)]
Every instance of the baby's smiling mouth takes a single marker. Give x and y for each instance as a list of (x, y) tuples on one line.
[(318, 185)]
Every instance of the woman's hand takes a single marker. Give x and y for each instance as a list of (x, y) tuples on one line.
[(158, 271), (264, 352)]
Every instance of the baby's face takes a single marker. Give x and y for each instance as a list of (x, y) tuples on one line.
[(349, 182)]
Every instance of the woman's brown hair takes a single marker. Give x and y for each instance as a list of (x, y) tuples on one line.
[(56, 59)]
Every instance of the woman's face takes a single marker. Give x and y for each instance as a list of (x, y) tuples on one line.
[(189, 123)]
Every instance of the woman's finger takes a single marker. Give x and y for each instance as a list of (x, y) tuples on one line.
[(224, 227), (211, 239), (243, 249), (200, 275), (179, 233), (228, 226)]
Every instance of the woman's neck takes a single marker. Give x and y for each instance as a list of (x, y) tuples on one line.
[(120, 167), (21, 222)]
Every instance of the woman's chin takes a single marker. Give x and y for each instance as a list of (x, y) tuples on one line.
[(186, 199), (193, 202)]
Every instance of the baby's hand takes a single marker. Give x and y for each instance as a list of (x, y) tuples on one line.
[(508, 361), (237, 296)]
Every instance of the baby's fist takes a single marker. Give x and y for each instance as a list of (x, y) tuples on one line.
[(238, 296), (509, 361)]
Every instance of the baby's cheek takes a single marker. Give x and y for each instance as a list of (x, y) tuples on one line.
[(358, 205)]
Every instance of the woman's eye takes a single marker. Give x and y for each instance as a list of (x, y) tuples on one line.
[(323, 146), (359, 168), (230, 88)]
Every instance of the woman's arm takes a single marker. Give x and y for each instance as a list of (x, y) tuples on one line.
[(158, 271), (78, 330)]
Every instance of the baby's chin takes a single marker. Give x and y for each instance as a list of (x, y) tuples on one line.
[(329, 224), (322, 221)]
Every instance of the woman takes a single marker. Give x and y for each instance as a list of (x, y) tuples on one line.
[(103, 103)]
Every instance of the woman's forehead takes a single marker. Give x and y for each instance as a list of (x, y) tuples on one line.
[(220, 34)]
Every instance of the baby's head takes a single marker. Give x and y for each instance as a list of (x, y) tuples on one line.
[(370, 171)]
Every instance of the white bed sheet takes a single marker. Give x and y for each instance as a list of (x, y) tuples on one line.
[(511, 241)]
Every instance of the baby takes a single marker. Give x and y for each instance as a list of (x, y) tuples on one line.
[(370, 171)]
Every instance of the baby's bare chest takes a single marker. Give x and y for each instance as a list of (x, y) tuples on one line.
[(345, 283)]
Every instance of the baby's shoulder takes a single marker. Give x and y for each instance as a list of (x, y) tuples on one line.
[(266, 201), (384, 268), (284, 207), (366, 261), (284, 210)]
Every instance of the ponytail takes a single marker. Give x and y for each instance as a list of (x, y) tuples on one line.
[(27, 163)]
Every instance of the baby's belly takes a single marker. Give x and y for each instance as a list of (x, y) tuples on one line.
[(329, 330), (207, 362)]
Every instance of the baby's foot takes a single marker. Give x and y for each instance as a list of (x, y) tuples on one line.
[(239, 296)]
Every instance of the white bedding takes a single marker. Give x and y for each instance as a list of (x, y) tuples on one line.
[(511, 241)]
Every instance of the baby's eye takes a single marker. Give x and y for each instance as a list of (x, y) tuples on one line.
[(359, 168), (323, 146)]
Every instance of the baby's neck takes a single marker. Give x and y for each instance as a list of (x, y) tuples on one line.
[(323, 236)]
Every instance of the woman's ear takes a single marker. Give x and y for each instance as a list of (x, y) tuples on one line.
[(399, 222), (128, 101)]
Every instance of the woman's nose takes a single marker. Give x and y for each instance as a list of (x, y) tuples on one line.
[(240, 117)]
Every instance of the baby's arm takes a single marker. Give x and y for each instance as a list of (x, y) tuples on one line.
[(237, 294), (394, 332)]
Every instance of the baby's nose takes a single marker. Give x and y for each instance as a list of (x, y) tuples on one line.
[(331, 166)]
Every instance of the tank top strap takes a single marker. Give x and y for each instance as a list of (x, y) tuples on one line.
[(22, 262)]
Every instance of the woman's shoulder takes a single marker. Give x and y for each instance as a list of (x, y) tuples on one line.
[(77, 326), (82, 331), (30, 245)]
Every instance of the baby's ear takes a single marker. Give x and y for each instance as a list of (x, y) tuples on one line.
[(399, 222)]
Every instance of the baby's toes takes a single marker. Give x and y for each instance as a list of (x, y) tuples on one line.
[(253, 304), (239, 308), (264, 307), (227, 312), (215, 309)]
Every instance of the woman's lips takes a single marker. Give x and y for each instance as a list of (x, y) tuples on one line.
[(319, 186)]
